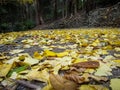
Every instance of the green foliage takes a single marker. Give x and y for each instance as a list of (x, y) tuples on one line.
[(17, 70), (5, 26), (18, 26), (29, 24), (23, 25)]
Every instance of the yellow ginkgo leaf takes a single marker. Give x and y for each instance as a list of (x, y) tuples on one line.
[(117, 62), (115, 84), (38, 75), (30, 61), (96, 42), (4, 69), (117, 49), (1, 79), (62, 54), (89, 70), (37, 55), (79, 60), (93, 87), (65, 68), (108, 47), (56, 69), (104, 69), (49, 53)]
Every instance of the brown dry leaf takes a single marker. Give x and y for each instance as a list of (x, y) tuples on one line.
[(60, 83), (4, 69), (75, 78), (79, 70), (87, 64)]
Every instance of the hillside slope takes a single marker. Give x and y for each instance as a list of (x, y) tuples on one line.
[(100, 17)]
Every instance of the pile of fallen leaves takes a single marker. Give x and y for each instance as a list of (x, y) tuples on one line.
[(66, 60)]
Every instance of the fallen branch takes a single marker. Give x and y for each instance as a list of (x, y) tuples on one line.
[(27, 84)]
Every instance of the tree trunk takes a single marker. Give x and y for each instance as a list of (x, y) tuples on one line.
[(66, 8), (63, 9), (89, 5), (39, 19), (55, 9), (75, 6)]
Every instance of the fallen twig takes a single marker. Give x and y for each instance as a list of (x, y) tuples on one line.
[(27, 84)]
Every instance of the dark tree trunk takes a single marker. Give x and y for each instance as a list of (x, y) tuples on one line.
[(38, 10), (55, 9), (89, 5), (77, 5), (66, 8), (72, 7), (63, 8)]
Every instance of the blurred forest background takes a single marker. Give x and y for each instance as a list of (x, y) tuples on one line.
[(18, 15)]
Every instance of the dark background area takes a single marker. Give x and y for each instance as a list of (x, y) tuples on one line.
[(27, 14)]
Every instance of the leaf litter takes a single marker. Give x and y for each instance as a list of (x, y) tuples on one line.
[(60, 59)]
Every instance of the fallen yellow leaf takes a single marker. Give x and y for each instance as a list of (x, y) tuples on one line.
[(4, 69), (115, 84), (92, 87), (37, 55), (49, 53), (38, 75), (62, 54)]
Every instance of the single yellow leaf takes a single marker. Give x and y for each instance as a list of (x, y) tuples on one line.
[(1, 79), (62, 54), (4, 69), (115, 84), (89, 70), (30, 61), (38, 75), (65, 68), (104, 70), (56, 69), (49, 53), (79, 60), (92, 87), (117, 61), (37, 55), (96, 42)]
